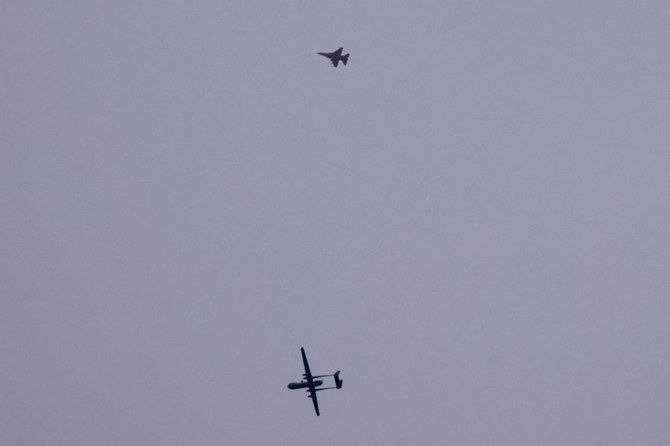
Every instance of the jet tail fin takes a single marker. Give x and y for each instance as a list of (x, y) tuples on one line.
[(345, 59)]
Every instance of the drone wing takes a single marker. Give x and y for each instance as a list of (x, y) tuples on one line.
[(308, 373), (312, 395), (310, 380)]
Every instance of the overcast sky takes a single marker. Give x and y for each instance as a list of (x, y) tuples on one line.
[(471, 220)]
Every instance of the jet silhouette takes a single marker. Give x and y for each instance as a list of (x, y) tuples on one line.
[(336, 56)]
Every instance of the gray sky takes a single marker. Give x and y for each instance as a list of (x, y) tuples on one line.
[(470, 220)]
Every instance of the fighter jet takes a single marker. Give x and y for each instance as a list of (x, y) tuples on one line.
[(336, 56), (310, 383)]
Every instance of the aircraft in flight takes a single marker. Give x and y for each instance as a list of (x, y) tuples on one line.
[(336, 56), (310, 383)]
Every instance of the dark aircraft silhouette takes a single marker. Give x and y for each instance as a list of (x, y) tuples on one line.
[(311, 384), (336, 56)]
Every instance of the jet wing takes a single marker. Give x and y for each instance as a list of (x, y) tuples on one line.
[(334, 61), (308, 374), (312, 395), (337, 53)]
